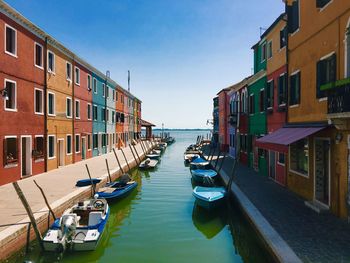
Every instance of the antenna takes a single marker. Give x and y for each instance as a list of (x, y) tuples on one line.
[(262, 30), (129, 80)]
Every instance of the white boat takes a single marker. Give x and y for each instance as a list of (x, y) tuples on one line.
[(188, 157), (80, 228), (148, 163), (199, 163), (209, 197)]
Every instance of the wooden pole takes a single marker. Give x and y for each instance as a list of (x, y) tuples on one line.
[(45, 199), (143, 148), (116, 157), (109, 173), (137, 153), (133, 154), (92, 184), (29, 212), (212, 155), (223, 160), (217, 159), (126, 160), (144, 145)]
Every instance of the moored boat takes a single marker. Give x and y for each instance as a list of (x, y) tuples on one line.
[(204, 176), (86, 182), (80, 227), (148, 164), (189, 157), (116, 190), (209, 197), (199, 163), (155, 155)]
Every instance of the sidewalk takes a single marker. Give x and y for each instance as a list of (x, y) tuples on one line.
[(59, 187), (313, 237)]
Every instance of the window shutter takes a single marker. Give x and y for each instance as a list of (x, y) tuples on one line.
[(5, 151)]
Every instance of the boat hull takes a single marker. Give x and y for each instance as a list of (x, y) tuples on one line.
[(209, 197), (117, 195)]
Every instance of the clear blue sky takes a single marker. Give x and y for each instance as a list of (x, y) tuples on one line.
[(180, 52)]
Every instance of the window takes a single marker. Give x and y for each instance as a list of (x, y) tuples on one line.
[(299, 157), (77, 76), (69, 71), (38, 152), (122, 118), (269, 49), (103, 90), (69, 144), (77, 143), (94, 113), (117, 117), (282, 90), (51, 146), (95, 141), (321, 3), (11, 100), (269, 94), (103, 114), (263, 52), (50, 61), (38, 101), (10, 151), (293, 16), (51, 104), (281, 159), (326, 73), (38, 55), (294, 97), (89, 83), (113, 95), (262, 100), (347, 52), (68, 107), (107, 91), (251, 104), (10, 40), (107, 115), (113, 117), (103, 140), (116, 95), (77, 109), (89, 141), (283, 37), (89, 111), (95, 85)]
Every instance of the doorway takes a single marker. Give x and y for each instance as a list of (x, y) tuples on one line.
[(60, 152), (26, 155), (272, 165), (322, 170), (83, 148)]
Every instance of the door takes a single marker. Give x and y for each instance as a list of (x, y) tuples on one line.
[(60, 152), (83, 148), (272, 164), (322, 170), (26, 156)]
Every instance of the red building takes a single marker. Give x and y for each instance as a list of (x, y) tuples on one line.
[(82, 108), (224, 110), (22, 116), (242, 124)]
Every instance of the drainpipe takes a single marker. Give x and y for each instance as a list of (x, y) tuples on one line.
[(106, 135), (45, 106), (73, 109)]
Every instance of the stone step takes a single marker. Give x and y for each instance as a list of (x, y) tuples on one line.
[(317, 207)]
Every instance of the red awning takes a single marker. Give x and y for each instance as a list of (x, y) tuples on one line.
[(280, 139)]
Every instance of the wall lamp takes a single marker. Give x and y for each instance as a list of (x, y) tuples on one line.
[(4, 94)]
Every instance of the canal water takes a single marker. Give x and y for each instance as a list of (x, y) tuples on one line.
[(159, 222)]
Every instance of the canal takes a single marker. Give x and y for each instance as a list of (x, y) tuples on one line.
[(159, 222)]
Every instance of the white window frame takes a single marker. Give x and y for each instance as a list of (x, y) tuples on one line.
[(14, 82), (323, 8), (298, 29), (103, 90), (7, 52), (308, 169), (93, 116), (94, 87), (39, 136), (285, 83), (89, 83), (278, 158), (75, 109), (18, 152), (77, 80), (107, 115), (53, 63), (48, 147), (75, 143), (262, 49), (42, 101), (48, 104), (42, 56), (71, 108), (69, 78), (89, 105), (89, 146), (71, 146), (268, 55)]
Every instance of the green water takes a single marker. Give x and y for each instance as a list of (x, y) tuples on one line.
[(159, 222)]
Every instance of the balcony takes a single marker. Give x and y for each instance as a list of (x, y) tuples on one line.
[(233, 119)]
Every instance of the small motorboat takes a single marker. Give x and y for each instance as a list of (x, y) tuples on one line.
[(116, 190), (189, 157), (155, 155), (80, 227), (148, 164), (209, 197), (86, 182), (204, 176), (199, 163)]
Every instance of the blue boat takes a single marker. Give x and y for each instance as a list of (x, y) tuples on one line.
[(86, 182), (209, 197), (199, 163), (116, 190), (204, 176)]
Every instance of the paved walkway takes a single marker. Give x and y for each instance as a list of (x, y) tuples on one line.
[(313, 237), (59, 186)]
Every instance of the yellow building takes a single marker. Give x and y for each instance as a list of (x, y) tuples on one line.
[(317, 163)]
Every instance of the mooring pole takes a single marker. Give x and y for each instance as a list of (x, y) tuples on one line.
[(116, 157), (29, 212), (92, 183), (45, 199), (126, 160), (223, 160), (109, 174), (211, 158), (217, 159), (142, 147), (133, 154), (137, 154)]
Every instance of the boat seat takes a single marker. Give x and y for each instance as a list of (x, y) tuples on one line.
[(94, 218)]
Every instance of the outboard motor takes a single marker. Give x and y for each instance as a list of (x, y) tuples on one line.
[(68, 226)]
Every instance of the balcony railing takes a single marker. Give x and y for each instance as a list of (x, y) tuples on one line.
[(338, 96)]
